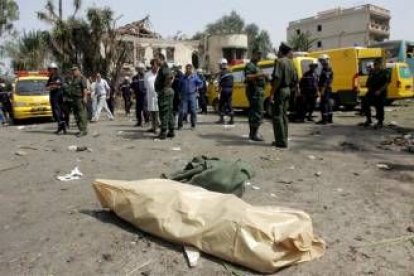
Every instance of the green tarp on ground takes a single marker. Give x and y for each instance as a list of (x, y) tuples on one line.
[(214, 174)]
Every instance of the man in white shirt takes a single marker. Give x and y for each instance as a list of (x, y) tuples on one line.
[(102, 93), (152, 95)]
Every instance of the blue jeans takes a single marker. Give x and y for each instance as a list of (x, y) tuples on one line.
[(188, 105), (2, 118)]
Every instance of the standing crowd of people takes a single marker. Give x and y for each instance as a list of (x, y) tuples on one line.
[(165, 97)]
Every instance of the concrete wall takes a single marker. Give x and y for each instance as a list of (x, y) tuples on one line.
[(341, 28), (215, 45)]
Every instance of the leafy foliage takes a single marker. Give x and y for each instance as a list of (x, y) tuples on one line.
[(235, 24), (302, 42), (9, 12)]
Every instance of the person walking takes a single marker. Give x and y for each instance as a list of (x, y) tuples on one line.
[(325, 91), (309, 91), (284, 79), (140, 94), (225, 86), (202, 92), (163, 84), (255, 86), (189, 83), (55, 86), (152, 95), (77, 90), (102, 92), (125, 89), (176, 86), (377, 84)]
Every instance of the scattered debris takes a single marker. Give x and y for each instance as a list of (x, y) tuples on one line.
[(79, 148), (287, 182), (383, 167), (273, 195), (229, 126), (256, 188), (389, 110), (315, 133), (410, 229), (388, 241), (193, 254), (95, 134), (292, 167), (144, 264), (247, 183), (393, 124), (347, 146), (119, 133), (318, 174), (28, 147), (107, 257), (74, 175), (312, 157), (20, 153), (176, 149), (21, 127)]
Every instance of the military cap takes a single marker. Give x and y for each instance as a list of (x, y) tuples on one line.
[(284, 48)]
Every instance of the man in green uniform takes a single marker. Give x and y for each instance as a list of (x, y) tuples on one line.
[(376, 96), (163, 86), (77, 92), (284, 79), (255, 85)]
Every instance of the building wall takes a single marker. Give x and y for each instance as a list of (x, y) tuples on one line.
[(341, 28), (215, 45)]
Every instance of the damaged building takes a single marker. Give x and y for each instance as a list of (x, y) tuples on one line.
[(203, 53)]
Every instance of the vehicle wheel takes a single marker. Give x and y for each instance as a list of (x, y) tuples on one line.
[(215, 105), (268, 108)]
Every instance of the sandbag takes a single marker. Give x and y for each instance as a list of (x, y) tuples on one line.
[(214, 174), (264, 239)]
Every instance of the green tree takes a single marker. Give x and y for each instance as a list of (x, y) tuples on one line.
[(228, 24), (9, 12), (302, 41), (235, 24)]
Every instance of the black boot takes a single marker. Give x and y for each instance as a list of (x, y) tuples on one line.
[(171, 134), (221, 120), (231, 122), (254, 136), (330, 119), (163, 135)]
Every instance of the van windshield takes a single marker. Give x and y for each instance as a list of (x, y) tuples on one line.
[(405, 72), (365, 66), (31, 87)]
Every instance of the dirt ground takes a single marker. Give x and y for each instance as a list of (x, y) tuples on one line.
[(364, 213)]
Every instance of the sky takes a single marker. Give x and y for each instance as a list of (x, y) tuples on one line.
[(189, 16)]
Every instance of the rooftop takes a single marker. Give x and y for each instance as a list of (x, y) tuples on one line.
[(340, 11)]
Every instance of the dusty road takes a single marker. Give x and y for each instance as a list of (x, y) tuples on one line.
[(50, 227)]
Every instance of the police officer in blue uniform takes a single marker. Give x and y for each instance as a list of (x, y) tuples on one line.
[(140, 94), (225, 84), (325, 90), (309, 92), (54, 85)]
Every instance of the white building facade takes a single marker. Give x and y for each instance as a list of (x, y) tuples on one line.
[(337, 28)]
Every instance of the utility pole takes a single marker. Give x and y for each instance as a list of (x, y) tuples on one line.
[(60, 10)]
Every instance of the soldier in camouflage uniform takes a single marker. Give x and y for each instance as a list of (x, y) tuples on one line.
[(76, 94), (284, 80), (163, 84), (256, 82)]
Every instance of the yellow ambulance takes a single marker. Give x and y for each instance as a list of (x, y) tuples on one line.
[(351, 68), (401, 85), (30, 98), (239, 88)]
